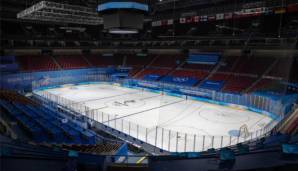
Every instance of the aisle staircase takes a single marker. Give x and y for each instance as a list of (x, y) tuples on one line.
[(56, 62), (250, 88), (145, 67), (87, 61), (213, 71)]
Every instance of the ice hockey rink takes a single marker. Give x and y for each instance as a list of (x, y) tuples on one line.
[(169, 122)]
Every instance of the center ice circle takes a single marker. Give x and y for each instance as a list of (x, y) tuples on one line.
[(223, 116), (125, 103)]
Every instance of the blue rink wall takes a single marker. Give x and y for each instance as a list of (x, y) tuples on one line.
[(25, 81), (254, 102), (208, 100)]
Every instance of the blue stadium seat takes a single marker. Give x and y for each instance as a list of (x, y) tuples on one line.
[(186, 81), (277, 139), (212, 85)]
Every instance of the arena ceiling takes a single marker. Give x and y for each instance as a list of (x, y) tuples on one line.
[(13, 6)]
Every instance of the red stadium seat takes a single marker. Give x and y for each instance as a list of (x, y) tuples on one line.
[(72, 62), (219, 77), (148, 71), (198, 66), (36, 63), (104, 61), (197, 74), (237, 83), (259, 65), (139, 61), (167, 61)]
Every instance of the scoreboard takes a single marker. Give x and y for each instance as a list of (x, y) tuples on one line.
[(121, 17)]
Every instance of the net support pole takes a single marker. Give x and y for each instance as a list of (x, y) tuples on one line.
[(137, 131), (146, 138), (128, 128), (238, 137), (162, 132), (194, 142), (185, 142), (203, 147), (177, 141), (96, 114), (230, 142), (121, 125), (251, 136), (155, 142), (169, 143)]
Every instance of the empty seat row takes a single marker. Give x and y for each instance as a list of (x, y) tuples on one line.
[(152, 73), (36, 63), (72, 62), (34, 130), (104, 148), (167, 61), (44, 125), (196, 74), (237, 83), (105, 61)]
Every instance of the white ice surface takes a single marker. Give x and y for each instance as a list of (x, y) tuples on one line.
[(150, 110)]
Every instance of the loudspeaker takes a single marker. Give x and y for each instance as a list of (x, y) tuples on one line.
[(185, 51), (246, 52)]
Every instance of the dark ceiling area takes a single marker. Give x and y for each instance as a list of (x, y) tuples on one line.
[(168, 24)]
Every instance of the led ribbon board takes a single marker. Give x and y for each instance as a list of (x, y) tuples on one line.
[(122, 17), (122, 5)]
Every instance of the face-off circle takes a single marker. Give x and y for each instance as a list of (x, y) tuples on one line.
[(222, 116), (125, 103)]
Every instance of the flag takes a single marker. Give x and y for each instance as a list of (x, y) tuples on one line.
[(220, 16), (211, 18), (164, 22), (156, 23), (182, 20), (279, 10), (228, 15), (189, 20), (204, 18), (196, 19), (170, 22), (293, 7)]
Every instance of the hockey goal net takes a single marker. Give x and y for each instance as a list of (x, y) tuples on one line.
[(243, 131)]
